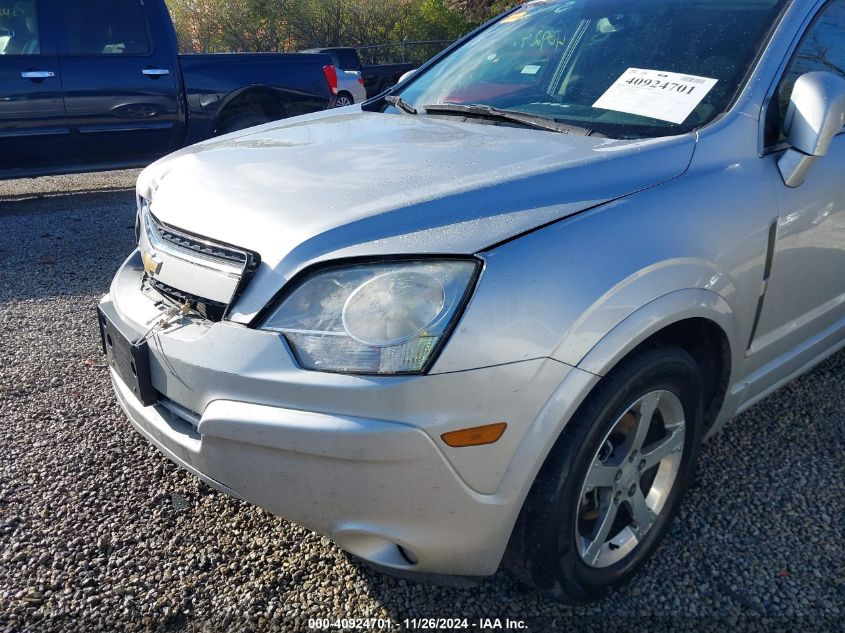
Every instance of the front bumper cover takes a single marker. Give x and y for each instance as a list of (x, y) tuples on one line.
[(367, 485)]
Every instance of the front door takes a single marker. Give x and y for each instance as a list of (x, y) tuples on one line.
[(33, 125), (805, 298), (120, 84)]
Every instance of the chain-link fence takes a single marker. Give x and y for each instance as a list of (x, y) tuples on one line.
[(416, 52)]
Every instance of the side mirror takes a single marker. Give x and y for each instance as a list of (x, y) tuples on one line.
[(816, 114), (407, 75)]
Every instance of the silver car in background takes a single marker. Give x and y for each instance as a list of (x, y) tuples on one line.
[(350, 77), (350, 88), (492, 315)]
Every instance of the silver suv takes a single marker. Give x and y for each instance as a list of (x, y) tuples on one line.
[(492, 315)]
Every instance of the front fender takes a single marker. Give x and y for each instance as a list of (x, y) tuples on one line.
[(644, 303), (560, 291), (671, 308)]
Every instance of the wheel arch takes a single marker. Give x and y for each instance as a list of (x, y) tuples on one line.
[(230, 104), (698, 320)]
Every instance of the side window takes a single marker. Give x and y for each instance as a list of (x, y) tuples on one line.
[(822, 48), (19, 31), (348, 60), (116, 27)]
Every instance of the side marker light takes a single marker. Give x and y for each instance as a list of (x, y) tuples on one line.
[(476, 436)]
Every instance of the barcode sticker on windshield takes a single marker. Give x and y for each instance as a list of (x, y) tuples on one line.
[(656, 94)]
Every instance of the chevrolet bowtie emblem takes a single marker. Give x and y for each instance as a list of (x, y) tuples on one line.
[(151, 265)]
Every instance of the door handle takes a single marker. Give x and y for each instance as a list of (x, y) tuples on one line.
[(37, 74), (155, 72)]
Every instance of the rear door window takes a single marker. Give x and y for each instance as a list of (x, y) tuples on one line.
[(20, 32), (116, 27)]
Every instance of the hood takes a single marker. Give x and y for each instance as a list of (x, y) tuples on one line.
[(352, 183)]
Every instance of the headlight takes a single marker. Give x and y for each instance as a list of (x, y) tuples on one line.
[(386, 318)]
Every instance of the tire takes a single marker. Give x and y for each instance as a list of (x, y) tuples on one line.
[(344, 99), (242, 121), (558, 545)]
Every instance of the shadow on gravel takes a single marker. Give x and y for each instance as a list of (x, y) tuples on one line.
[(64, 243), (51, 202)]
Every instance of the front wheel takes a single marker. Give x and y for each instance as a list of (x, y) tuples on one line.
[(614, 480)]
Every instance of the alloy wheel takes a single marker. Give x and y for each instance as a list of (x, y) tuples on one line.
[(630, 478)]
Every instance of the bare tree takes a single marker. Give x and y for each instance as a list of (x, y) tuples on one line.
[(481, 9)]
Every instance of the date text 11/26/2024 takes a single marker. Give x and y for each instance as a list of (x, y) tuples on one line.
[(417, 624)]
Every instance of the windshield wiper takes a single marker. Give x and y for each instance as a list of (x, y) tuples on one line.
[(400, 104), (489, 112)]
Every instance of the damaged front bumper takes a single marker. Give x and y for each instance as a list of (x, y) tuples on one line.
[(356, 458)]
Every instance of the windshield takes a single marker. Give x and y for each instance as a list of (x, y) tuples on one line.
[(623, 68)]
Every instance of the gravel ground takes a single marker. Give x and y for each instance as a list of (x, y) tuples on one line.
[(99, 532)]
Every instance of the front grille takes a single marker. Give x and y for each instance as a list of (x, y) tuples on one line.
[(198, 246), (233, 265), (211, 310)]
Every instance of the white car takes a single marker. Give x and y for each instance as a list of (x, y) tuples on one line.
[(350, 88)]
